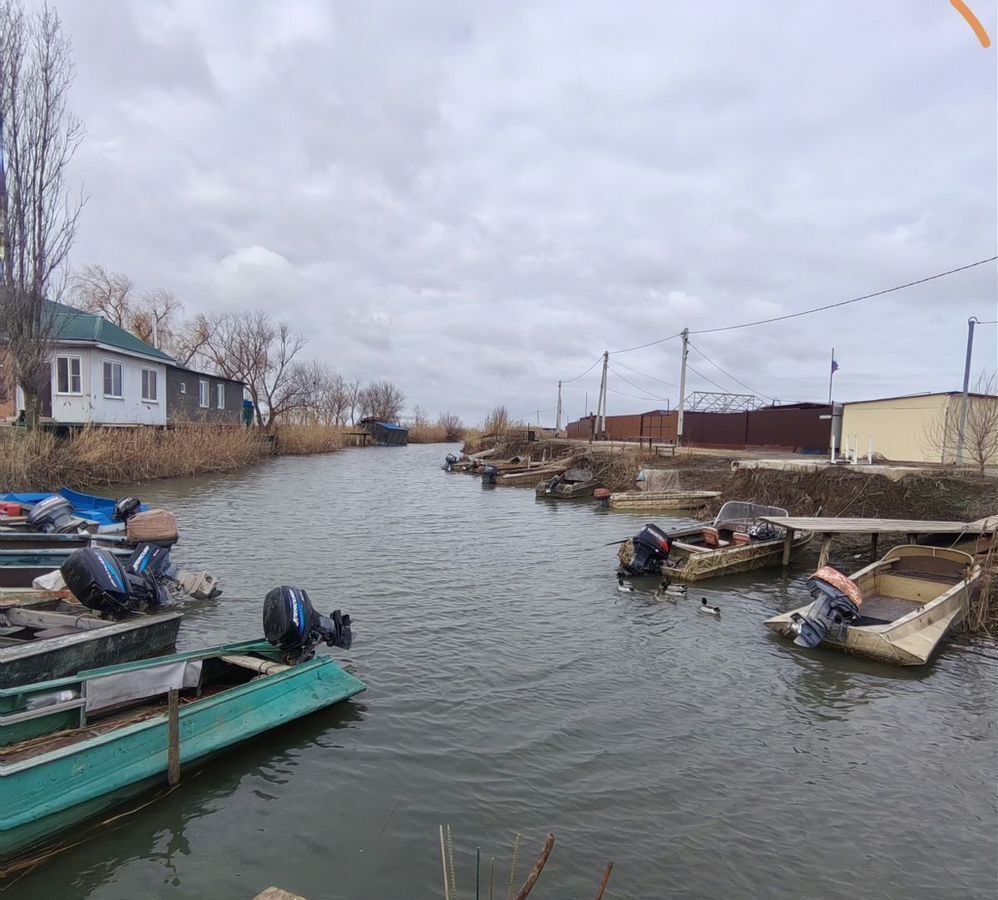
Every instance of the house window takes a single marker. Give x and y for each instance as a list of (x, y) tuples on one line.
[(220, 395), (183, 387), (149, 386), (203, 394), (68, 375), (112, 379)]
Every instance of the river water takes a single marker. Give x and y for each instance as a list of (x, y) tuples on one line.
[(513, 689)]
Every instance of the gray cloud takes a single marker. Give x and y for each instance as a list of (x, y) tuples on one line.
[(476, 200)]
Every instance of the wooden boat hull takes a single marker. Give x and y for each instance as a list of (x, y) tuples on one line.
[(101, 643), (683, 501), (910, 640), (62, 786), (19, 568), (34, 540), (700, 566), (573, 491)]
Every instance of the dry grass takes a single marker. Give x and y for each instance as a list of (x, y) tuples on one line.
[(301, 440), (427, 434), (38, 460)]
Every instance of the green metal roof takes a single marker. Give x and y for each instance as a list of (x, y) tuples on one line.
[(75, 325)]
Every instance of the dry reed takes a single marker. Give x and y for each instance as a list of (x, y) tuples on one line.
[(301, 440), (425, 433)]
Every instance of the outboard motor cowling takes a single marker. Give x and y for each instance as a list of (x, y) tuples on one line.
[(646, 553), (829, 617), (125, 508), (291, 624), (101, 583), (52, 515), (489, 474)]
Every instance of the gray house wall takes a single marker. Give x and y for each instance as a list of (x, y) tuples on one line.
[(183, 398)]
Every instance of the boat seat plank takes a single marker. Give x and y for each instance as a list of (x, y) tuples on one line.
[(691, 548), (831, 525)]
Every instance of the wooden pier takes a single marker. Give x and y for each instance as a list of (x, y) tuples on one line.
[(829, 527)]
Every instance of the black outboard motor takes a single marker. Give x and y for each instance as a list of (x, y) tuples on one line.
[(125, 508), (829, 616), (104, 585), (651, 547), (291, 624), (489, 474), (53, 515), (449, 461)]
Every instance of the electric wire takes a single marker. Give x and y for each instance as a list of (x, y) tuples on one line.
[(705, 378), (732, 377), (637, 387), (807, 312), (645, 375), (633, 396), (599, 359), (649, 344)]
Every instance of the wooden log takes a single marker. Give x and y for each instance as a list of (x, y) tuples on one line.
[(275, 893), (263, 666), (874, 539), (535, 872), (788, 545), (173, 731), (826, 546), (606, 879)]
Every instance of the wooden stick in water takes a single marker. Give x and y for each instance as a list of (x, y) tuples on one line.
[(450, 862), (443, 863), (535, 872), (606, 879), (492, 879), (512, 866), (173, 736)]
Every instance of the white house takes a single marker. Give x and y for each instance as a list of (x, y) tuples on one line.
[(102, 374)]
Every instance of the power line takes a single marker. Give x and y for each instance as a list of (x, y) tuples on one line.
[(633, 397), (638, 387), (649, 344), (705, 378), (807, 312), (732, 377), (643, 375), (599, 359)]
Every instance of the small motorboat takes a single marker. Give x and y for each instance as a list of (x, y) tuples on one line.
[(72, 747), (572, 485), (737, 541), (897, 610)]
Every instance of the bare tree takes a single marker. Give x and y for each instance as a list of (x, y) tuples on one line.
[(980, 434), (496, 422), (109, 294), (354, 399), (250, 347), (451, 424), (38, 218), (191, 339), (151, 316), (419, 416), (382, 400)]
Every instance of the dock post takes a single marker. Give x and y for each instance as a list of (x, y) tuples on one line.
[(826, 546), (788, 543), (173, 730), (873, 544)]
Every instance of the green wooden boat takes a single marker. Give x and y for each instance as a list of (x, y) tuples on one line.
[(72, 747), (46, 635)]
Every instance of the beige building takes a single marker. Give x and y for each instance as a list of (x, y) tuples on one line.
[(922, 427)]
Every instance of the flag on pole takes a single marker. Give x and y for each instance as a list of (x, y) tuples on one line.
[(835, 366)]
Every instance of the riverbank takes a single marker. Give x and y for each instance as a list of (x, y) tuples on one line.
[(40, 460)]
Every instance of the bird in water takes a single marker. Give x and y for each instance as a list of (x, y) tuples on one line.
[(623, 586), (705, 607), (669, 591)]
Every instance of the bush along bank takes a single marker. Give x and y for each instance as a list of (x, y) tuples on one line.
[(42, 460)]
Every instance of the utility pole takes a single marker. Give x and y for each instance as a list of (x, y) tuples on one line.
[(682, 386), (966, 385), (831, 372), (601, 406), (557, 424)]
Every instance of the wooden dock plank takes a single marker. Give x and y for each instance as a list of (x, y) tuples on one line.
[(831, 525)]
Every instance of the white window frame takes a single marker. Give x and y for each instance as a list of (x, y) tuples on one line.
[(121, 379), (150, 377), (183, 387), (204, 394), (220, 395), (69, 375)]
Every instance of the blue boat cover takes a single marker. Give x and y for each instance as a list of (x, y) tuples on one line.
[(94, 509)]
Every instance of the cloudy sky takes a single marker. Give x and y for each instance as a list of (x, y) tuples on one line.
[(476, 199)]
